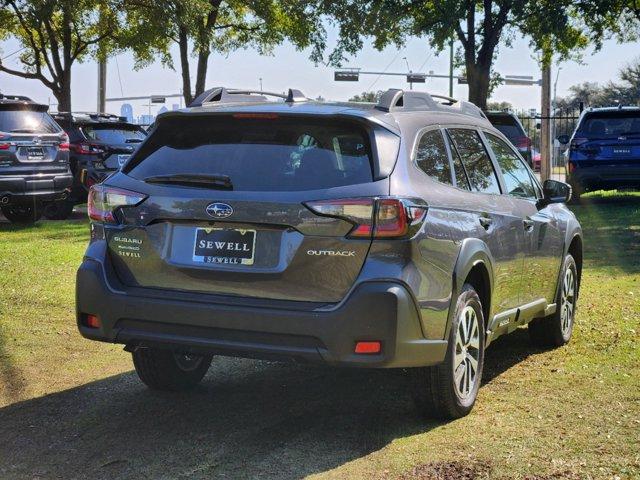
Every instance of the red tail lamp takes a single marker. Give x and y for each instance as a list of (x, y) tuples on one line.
[(368, 347)]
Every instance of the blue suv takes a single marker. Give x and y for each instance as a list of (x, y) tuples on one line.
[(604, 151)]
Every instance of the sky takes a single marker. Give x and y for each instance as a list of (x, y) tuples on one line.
[(290, 68)]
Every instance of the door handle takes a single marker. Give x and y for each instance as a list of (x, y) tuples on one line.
[(485, 222), (528, 224)]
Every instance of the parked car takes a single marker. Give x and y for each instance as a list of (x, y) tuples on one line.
[(510, 126), (34, 159), (100, 144), (604, 150), (407, 234)]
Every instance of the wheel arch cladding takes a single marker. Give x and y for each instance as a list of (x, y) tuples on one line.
[(474, 266), (575, 249)]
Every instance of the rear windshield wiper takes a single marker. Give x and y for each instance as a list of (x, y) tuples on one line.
[(216, 181), (22, 130), (133, 140)]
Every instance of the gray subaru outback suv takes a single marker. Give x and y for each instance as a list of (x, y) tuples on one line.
[(408, 233)]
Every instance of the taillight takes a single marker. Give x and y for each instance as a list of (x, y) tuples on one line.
[(86, 148), (523, 142), (374, 217), (103, 202), (577, 141), (5, 146), (571, 167), (64, 143)]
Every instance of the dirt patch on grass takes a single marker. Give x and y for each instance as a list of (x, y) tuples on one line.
[(475, 470), (566, 475)]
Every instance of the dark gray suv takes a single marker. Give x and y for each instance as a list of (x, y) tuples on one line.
[(407, 233)]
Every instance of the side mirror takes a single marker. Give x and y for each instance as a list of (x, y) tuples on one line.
[(556, 192), (563, 139)]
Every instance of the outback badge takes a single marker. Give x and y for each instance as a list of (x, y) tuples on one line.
[(219, 210)]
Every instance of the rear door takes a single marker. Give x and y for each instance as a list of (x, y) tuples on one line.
[(495, 222), (30, 141), (246, 228), (608, 138), (119, 141), (543, 239)]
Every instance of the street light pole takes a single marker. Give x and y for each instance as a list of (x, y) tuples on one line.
[(451, 68)]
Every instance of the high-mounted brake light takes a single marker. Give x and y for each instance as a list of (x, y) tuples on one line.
[(259, 116), (103, 202), (374, 217)]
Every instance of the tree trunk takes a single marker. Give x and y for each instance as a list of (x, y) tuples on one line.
[(63, 94), (183, 43), (201, 74), (479, 77)]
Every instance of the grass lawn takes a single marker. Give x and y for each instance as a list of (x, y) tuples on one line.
[(70, 408)]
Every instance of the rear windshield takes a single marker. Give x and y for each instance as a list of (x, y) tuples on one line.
[(507, 125), (611, 124), (267, 154), (114, 134), (27, 121)]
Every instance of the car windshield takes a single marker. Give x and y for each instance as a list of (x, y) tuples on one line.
[(611, 124), (27, 121), (270, 154), (114, 134)]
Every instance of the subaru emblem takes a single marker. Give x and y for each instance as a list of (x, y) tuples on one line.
[(219, 210)]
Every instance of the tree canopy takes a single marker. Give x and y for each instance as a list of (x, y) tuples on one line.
[(203, 27), (480, 27), (53, 35)]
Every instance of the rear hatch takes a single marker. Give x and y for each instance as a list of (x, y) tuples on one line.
[(608, 138), (118, 140), (229, 202), (31, 141)]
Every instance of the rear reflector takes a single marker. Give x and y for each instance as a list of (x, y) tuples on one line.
[(91, 321), (368, 347)]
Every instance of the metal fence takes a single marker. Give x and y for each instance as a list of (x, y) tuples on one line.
[(563, 122)]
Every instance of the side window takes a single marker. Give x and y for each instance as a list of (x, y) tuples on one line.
[(515, 173), (475, 160), (432, 158)]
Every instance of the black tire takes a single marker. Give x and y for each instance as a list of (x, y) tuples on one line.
[(22, 214), (556, 329), (165, 370), (60, 210), (435, 391)]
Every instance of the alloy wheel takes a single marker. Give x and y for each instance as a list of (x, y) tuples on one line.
[(567, 301), (467, 352)]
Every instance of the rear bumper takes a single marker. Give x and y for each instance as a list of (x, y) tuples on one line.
[(15, 189), (609, 176), (374, 311)]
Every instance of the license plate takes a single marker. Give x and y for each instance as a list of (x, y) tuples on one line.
[(34, 153), (122, 159), (224, 246)]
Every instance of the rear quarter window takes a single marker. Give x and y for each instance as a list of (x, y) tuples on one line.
[(259, 154)]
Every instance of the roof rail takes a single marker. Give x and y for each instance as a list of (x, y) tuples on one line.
[(21, 98), (221, 95), (91, 115), (398, 100)]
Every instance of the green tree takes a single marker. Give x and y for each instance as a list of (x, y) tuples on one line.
[(202, 27), (368, 97), (54, 34), (479, 26)]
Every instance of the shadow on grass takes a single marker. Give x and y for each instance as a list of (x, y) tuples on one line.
[(248, 419), (11, 380)]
